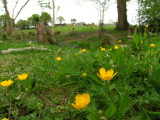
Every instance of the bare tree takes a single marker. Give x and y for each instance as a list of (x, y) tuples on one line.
[(8, 18), (102, 7), (53, 14), (10, 21)]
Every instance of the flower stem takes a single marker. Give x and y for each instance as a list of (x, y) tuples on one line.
[(10, 107)]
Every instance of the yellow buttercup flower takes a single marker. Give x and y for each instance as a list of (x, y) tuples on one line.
[(84, 74), (152, 45), (58, 58), (106, 75), (110, 49), (120, 41), (83, 50), (23, 76), (6, 83), (81, 101), (116, 47), (146, 26), (5, 119), (141, 42), (102, 49)]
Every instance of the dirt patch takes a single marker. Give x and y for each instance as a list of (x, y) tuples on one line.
[(112, 38), (81, 36)]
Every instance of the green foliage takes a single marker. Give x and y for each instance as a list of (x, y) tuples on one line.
[(3, 21), (49, 90), (60, 19), (73, 21), (149, 13), (44, 4), (125, 104), (149, 9), (45, 17), (110, 111), (34, 19), (22, 24)]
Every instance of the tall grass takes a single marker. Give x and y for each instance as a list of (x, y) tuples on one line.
[(49, 90)]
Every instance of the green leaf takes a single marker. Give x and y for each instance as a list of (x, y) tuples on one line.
[(92, 105), (92, 114), (58, 118), (48, 117), (110, 111), (125, 104), (141, 116), (154, 113), (92, 117)]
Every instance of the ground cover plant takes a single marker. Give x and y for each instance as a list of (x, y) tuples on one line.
[(109, 82)]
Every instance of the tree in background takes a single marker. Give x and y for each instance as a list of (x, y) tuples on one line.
[(149, 13), (45, 17), (3, 21), (22, 24), (10, 20), (53, 15), (102, 6), (34, 19), (60, 19), (122, 23), (73, 21), (9, 26), (122, 13), (44, 4)]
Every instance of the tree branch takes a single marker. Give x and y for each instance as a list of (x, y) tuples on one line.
[(21, 9), (14, 8)]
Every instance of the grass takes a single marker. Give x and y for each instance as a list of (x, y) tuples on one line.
[(77, 28), (51, 86), (61, 33), (7, 45)]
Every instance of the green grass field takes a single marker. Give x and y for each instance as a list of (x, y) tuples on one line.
[(51, 86)]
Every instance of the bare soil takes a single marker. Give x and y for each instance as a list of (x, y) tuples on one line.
[(84, 36)]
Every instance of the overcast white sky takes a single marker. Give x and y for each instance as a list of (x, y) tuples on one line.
[(82, 12)]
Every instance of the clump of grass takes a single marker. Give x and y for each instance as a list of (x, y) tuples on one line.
[(131, 91)]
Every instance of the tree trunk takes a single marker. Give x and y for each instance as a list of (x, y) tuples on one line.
[(101, 22), (53, 19), (44, 34), (8, 19), (122, 15)]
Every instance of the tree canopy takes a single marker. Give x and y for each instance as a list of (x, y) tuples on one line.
[(3, 21), (149, 14), (149, 11), (22, 24), (34, 19), (45, 17), (60, 19)]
